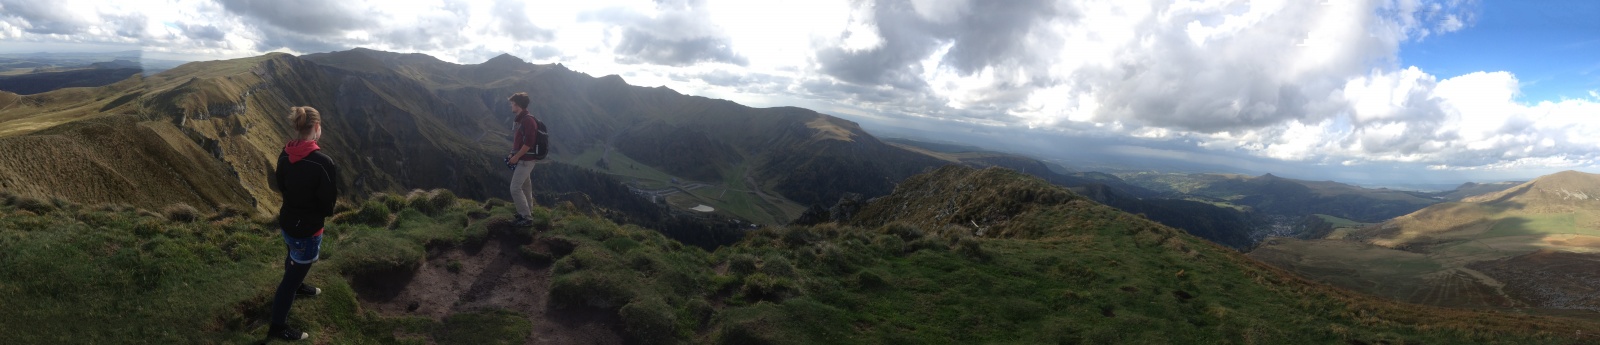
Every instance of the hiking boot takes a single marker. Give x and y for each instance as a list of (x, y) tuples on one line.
[(289, 334), (522, 222), (308, 290)]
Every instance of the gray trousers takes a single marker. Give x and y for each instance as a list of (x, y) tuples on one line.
[(522, 188)]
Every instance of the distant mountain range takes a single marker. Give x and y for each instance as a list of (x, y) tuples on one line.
[(909, 220), (407, 121)]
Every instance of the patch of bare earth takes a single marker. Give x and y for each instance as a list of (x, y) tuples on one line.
[(492, 276)]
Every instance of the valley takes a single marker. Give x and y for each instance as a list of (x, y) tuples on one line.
[(1513, 249), (687, 203)]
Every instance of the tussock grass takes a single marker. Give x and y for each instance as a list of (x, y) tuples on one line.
[(90, 275)]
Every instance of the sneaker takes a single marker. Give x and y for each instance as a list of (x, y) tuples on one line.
[(308, 290), (289, 334), (522, 221)]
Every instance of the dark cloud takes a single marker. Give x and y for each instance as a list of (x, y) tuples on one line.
[(273, 38), (640, 46), (43, 17), (202, 32), (679, 35), (305, 17), (988, 34)]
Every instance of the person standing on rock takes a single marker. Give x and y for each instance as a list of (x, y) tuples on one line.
[(525, 135), (308, 182)]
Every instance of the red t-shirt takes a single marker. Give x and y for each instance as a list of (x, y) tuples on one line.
[(524, 132)]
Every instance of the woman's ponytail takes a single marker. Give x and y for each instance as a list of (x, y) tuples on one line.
[(304, 120)]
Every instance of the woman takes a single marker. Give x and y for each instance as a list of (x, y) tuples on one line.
[(308, 182)]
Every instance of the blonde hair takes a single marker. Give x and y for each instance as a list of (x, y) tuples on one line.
[(305, 121)]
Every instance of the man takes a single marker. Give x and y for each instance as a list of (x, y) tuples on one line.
[(524, 133)]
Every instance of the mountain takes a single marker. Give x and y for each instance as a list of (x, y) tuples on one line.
[(1278, 206), (100, 74), (956, 255), (1471, 189), (1499, 250), (794, 153), (1222, 225), (404, 121)]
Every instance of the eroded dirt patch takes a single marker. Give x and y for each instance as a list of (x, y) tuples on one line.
[(493, 276)]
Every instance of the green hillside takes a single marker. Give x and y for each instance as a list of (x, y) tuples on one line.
[(1503, 250), (1049, 267)]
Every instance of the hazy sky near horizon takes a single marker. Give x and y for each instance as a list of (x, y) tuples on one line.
[(1461, 88)]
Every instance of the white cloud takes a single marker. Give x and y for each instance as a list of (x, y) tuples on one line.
[(1316, 82)]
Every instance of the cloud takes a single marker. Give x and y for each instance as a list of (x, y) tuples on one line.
[(675, 34), (43, 17), (512, 20), (202, 32), (305, 17)]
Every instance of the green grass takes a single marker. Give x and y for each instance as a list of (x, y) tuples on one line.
[(1528, 224), (626, 169), (1341, 222), (77, 274), (731, 198)]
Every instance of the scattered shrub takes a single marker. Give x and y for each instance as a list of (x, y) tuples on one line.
[(742, 264), (35, 205), (586, 258), (63, 203), (870, 280), (392, 201), (591, 288), (495, 202), (379, 255), (643, 262), (649, 321), (148, 227), (799, 235), (372, 213), (777, 266), (762, 287), (487, 327), (431, 203), (226, 211), (905, 231), (890, 244), (621, 244), (181, 212), (342, 206), (700, 310), (972, 249)]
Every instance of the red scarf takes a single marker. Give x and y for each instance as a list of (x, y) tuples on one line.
[(299, 149)]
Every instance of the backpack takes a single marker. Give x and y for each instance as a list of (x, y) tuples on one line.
[(541, 142)]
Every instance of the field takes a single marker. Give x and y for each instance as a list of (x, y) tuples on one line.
[(428, 268), (733, 196), (1438, 256)]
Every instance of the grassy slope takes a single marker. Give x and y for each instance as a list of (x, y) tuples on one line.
[(732, 196), (1065, 271), (1406, 257)]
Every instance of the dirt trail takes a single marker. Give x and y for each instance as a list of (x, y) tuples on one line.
[(494, 276)]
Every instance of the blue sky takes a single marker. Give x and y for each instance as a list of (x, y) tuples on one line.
[(1552, 46), (1371, 91)]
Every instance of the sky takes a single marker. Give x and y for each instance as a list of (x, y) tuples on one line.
[(1363, 91)]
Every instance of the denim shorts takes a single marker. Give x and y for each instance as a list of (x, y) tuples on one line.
[(303, 250)]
